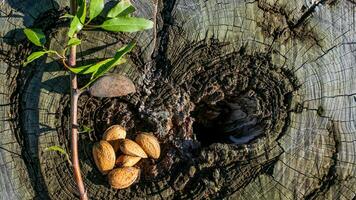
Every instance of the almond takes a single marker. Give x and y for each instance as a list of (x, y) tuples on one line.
[(104, 156), (113, 134), (127, 161), (131, 148), (121, 178), (149, 144)]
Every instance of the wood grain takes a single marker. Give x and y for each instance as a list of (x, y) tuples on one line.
[(297, 58)]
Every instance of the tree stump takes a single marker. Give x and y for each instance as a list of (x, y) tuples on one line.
[(249, 99)]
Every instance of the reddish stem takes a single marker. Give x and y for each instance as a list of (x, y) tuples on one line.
[(74, 130), (75, 93)]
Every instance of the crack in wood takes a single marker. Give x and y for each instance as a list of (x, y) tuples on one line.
[(162, 63), (286, 27), (330, 178)]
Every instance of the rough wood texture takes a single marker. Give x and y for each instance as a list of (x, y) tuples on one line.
[(250, 100)]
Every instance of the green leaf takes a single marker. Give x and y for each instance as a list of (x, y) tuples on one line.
[(106, 66), (36, 36), (126, 24), (78, 20), (82, 11), (88, 69), (66, 16), (73, 41), (123, 8), (75, 26), (33, 56), (60, 150), (56, 148), (95, 8), (85, 129), (99, 69), (115, 61)]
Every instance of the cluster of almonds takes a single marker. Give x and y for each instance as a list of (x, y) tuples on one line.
[(104, 153)]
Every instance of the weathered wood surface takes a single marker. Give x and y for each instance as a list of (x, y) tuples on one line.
[(288, 66)]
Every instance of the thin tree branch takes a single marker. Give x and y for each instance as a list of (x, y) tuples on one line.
[(74, 116), (74, 132)]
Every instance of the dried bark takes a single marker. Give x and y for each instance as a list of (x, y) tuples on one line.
[(274, 77)]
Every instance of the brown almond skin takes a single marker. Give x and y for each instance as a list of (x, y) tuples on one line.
[(123, 177), (149, 144), (113, 134), (131, 148), (127, 161), (112, 85), (104, 156)]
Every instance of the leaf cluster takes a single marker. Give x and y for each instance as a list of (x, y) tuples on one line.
[(118, 19)]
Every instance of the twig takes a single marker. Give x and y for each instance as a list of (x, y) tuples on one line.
[(74, 132), (91, 26), (58, 55), (75, 93)]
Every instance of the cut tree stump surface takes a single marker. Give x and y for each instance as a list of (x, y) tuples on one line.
[(249, 99)]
